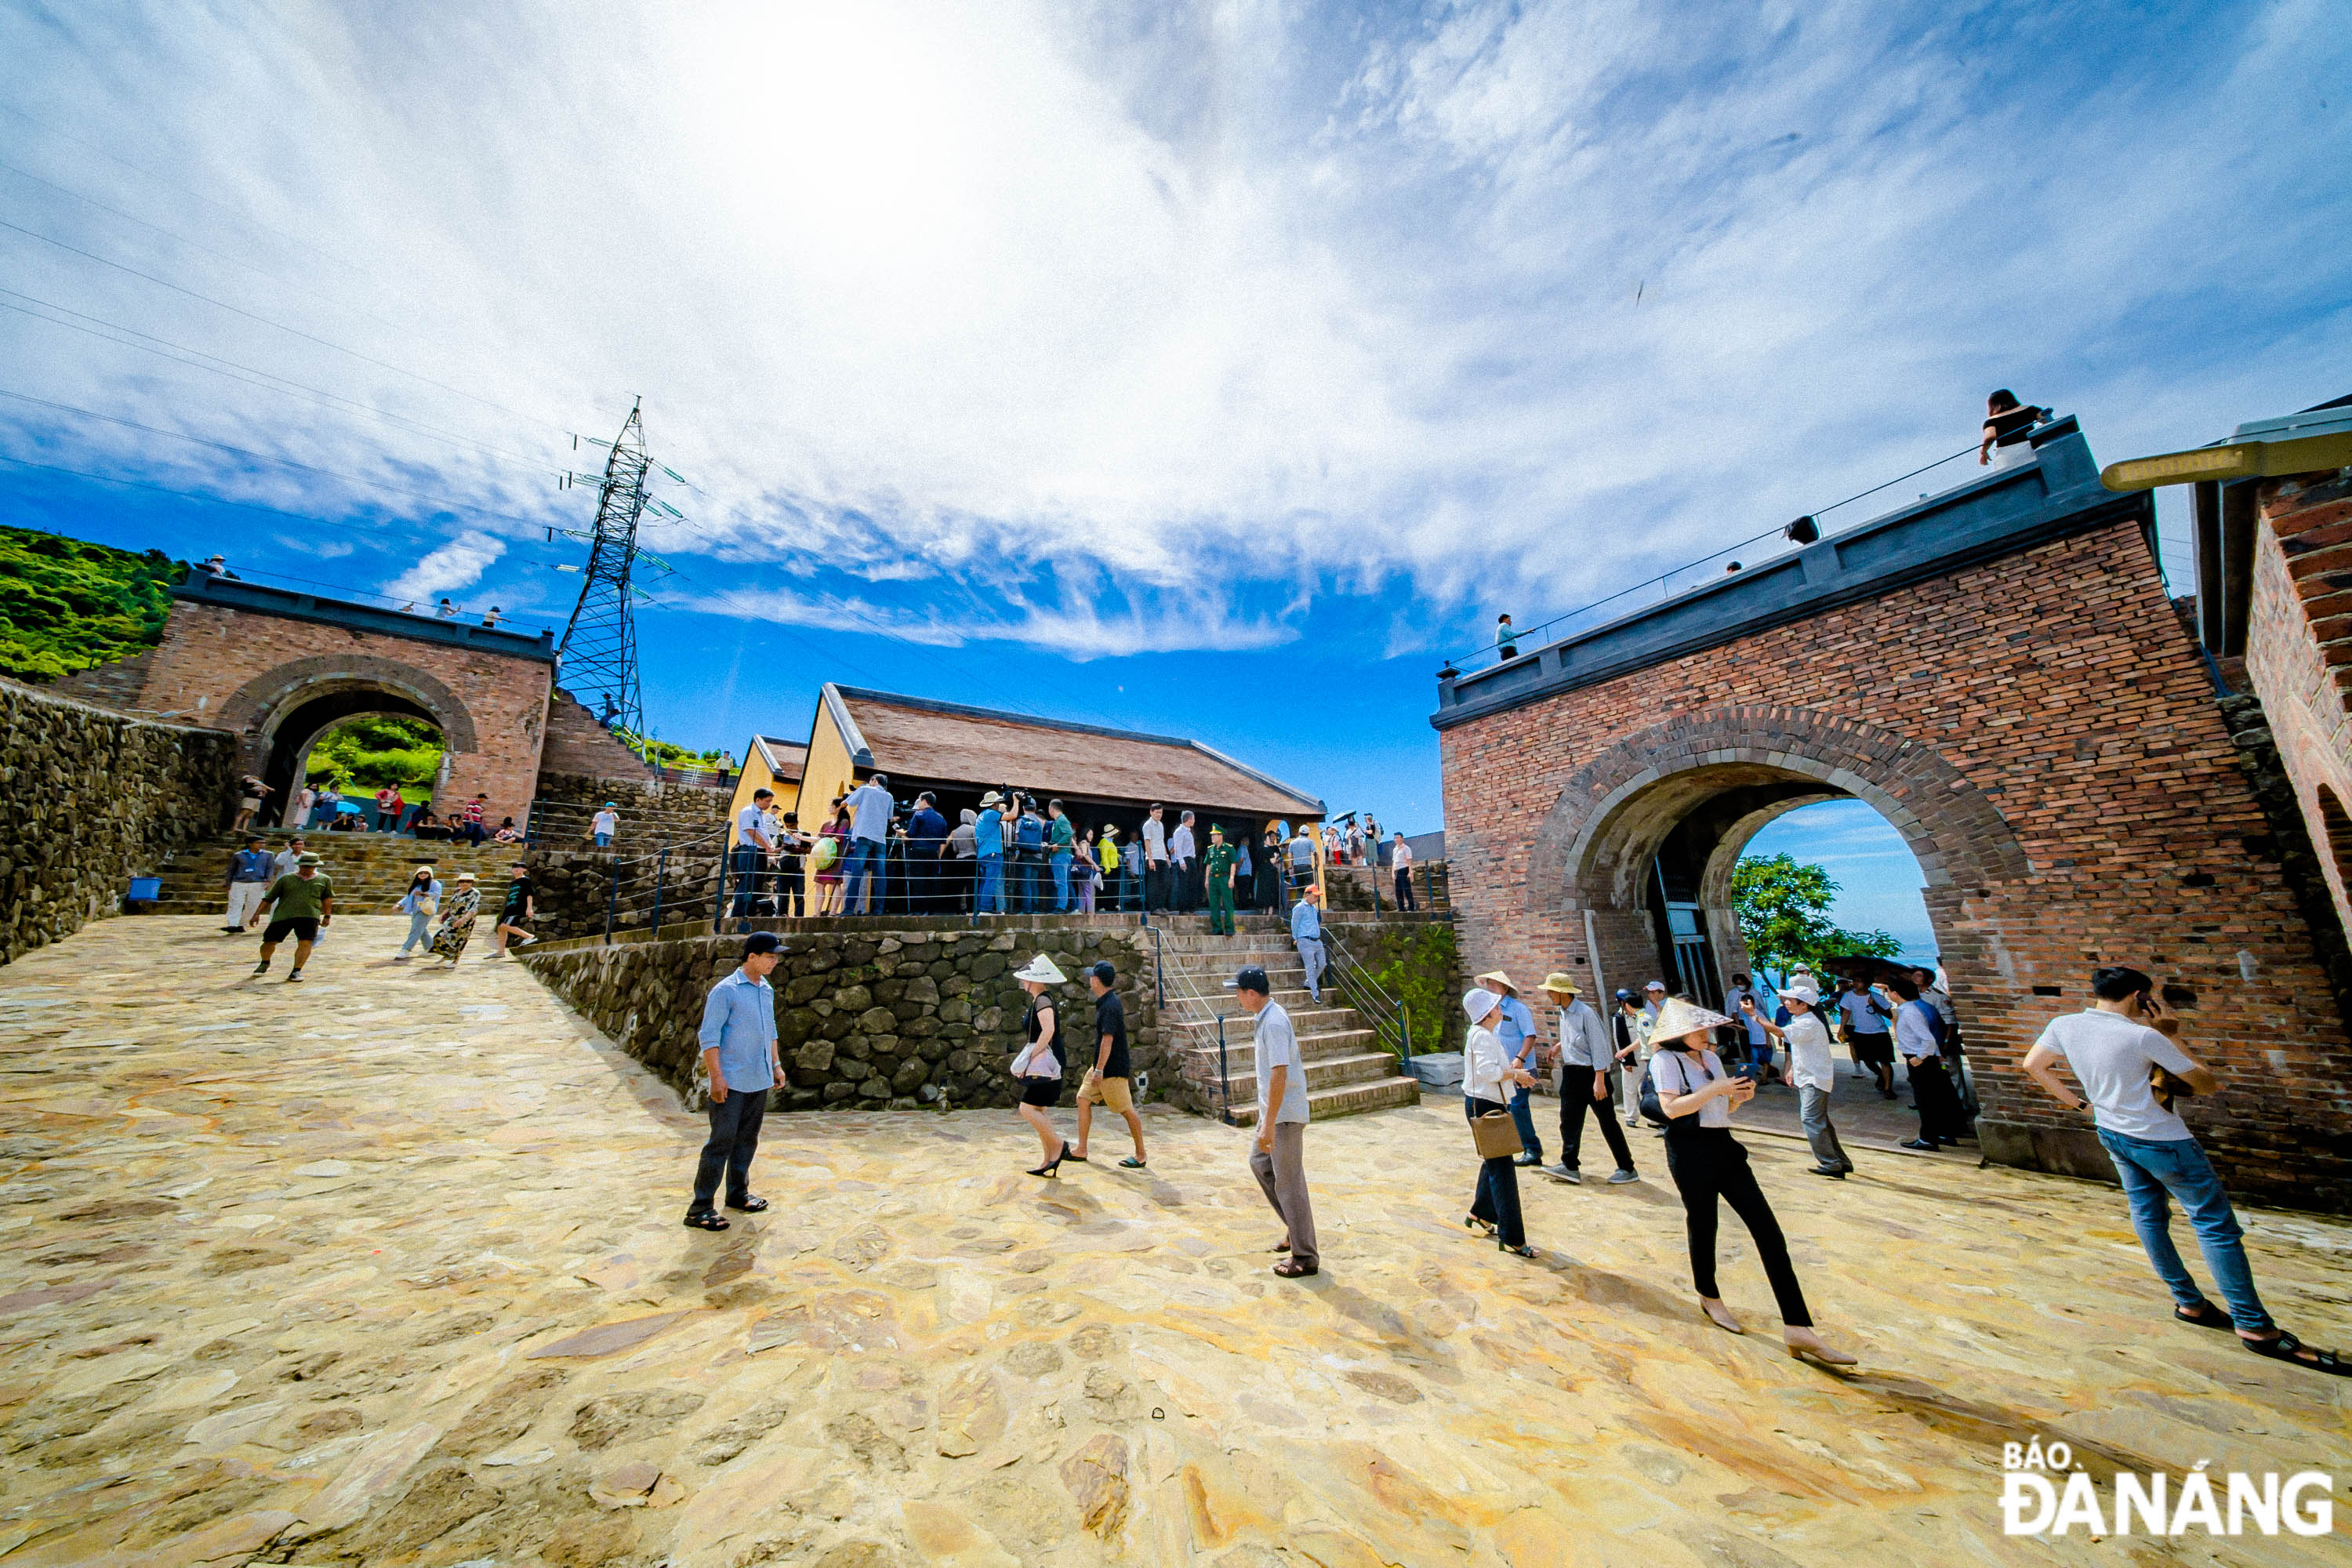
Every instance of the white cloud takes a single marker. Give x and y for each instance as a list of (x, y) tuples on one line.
[(456, 565), (1157, 300)]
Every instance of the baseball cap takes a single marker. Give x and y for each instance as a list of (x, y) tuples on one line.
[(1804, 994), (760, 942), (1656, 985), (1103, 972)]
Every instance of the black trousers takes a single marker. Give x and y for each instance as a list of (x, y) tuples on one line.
[(791, 892), (1497, 1198), (1405, 901), (1188, 886), (1575, 1099), (1940, 1113), (734, 1138), (1708, 1163), (1155, 885)]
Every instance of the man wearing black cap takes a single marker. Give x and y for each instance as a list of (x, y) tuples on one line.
[(1108, 1080), (738, 1054), (1279, 1158)]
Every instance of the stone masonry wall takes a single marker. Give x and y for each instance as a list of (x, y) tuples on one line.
[(2047, 740), (887, 1019), (88, 798), (2299, 655)]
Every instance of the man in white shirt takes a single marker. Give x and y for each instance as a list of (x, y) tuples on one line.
[(1867, 1036), (1183, 855), (604, 825), (2112, 1050), (1581, 1080), (870, 830), (752, 846), (1810, 1069), (1155, 861), (1278, 1158), (1401, 854)]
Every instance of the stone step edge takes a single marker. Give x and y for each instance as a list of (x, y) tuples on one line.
[(1323, 1105)]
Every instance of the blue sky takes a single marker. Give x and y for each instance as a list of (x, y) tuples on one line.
[(1206, 370)]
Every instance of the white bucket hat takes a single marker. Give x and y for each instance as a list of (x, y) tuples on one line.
[(1803, 992), (1478, 1002), (1041, 968)]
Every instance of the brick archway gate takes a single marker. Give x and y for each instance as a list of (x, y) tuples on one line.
[(1999, 672), (1716, 779)]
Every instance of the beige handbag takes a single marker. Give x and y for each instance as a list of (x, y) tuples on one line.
[(1495, 1134)]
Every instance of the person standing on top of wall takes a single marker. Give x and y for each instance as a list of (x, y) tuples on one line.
[(1155, 860), (988, 847), (1506, 641), (927, 846), (1401, 853), (1220, 872), (752, 848), (1028, 858), (1183, 856), (870, 830), (2008, 431), (1058, 836)]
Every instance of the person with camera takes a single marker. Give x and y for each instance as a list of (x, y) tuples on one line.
[(1811, 1070), (1697, 1098), (2123, 1054)]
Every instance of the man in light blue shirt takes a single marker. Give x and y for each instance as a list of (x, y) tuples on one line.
[(738, 1054), (870, 830), (1515, 1025), (1306, 934), (988, 844)]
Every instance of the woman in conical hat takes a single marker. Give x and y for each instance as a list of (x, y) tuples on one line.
[(1707, 1162)]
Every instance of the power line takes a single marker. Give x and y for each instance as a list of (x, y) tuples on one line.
[(294, 332), (224, 367)]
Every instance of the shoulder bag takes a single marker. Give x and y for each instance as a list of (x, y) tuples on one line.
[(1497, 1135)]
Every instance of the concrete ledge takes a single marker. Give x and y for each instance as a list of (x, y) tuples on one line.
[(2062, 1150)]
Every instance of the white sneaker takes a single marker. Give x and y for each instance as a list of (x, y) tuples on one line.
[(1563, 1174)]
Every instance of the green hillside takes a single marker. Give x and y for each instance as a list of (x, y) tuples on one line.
[(66, 605)]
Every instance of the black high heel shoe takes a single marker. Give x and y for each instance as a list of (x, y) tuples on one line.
[(1053, 1167)]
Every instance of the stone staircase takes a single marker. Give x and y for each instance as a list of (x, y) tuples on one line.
[(369, 870), (1346, 1069)]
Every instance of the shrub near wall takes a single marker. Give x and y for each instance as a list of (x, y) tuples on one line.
[(87, 799), (880, 1019)]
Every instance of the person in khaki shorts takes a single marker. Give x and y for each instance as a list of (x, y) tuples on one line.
[(1106, 1082)]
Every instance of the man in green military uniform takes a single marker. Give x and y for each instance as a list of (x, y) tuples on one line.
[(1218, 869)]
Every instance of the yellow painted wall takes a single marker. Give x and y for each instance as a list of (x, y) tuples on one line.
[(826, 772)]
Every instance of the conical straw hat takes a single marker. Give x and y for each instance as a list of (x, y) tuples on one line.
[(1679, 1017)]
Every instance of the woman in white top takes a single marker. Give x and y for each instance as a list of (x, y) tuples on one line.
[(1038, 1070), (1486, 1070), (1697, 1097)]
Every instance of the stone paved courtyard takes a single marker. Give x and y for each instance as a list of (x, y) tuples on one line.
[(386, 1268)]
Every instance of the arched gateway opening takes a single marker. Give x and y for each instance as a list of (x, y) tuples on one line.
[(1642, 841), (285, 710)]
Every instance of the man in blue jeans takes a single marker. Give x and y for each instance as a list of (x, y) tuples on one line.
[(870, 830), (988, 844), (2111, 1049)]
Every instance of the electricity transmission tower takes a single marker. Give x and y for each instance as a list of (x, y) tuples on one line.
[(600, 644)]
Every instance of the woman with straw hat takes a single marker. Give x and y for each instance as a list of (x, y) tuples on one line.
[(1706, 1162), (1487, 1076), (457, 914), (1038, 1068)]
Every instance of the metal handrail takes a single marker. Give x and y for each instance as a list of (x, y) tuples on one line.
[(1788, 531), (1389, 1016), (1160, 990)]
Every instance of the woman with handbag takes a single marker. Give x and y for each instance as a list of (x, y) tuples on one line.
[(419, 904), (1487, 1077), (1697, 1097), (1038, 1068)]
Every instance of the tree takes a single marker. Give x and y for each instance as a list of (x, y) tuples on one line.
[(66, 605), (1784, 914), (376, 749)]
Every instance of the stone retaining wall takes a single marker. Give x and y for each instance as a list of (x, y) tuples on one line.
[(894, 1019), (87, 799)]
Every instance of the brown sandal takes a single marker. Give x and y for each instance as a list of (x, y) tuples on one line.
[(1294, 1270)]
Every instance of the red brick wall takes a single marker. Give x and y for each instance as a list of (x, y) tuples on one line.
[(2042, 732), (2299, 655), (241, 670)]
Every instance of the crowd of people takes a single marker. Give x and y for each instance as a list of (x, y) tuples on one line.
[(871, 853), (324, 808), (298, 897)]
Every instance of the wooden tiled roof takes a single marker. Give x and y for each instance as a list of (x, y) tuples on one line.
[(785, 759), (915, 738)]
